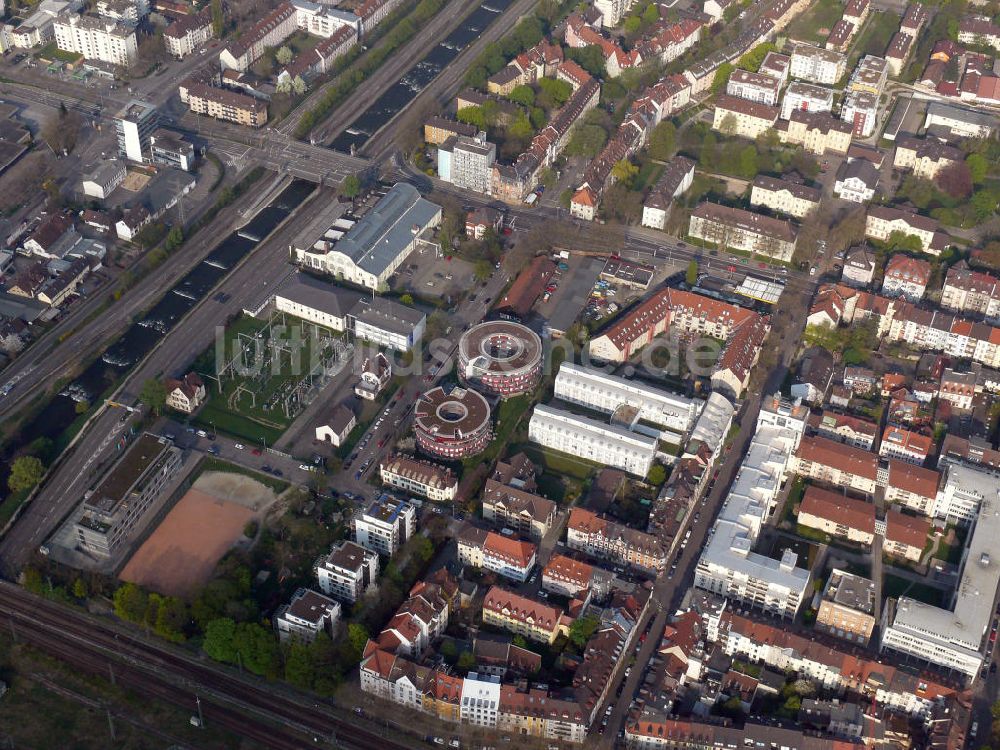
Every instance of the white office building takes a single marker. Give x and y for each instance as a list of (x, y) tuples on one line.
[(728, 565), (955, 638), (96, 38), (134, 127), (386, 525), (606, 444), (347, 572), (614, 395), (963, 491), (472, 162)]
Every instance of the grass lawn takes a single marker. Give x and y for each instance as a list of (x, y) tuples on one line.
[(895, 586), (649, 173), (10, 505), (556, 462), (874, 37), (509, 415), (252, 405), (815, 24), (52, 52)]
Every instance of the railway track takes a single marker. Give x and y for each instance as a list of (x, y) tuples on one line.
[(265, 713)]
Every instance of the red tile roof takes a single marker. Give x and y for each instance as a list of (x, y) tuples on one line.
[(842, 510)]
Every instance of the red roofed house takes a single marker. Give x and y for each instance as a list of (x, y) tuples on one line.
[(523, 616), (905, 535), (905, 445), (508, 557), (911, 486), (186, 394), (906, 277), (834, 463), (838, 515)]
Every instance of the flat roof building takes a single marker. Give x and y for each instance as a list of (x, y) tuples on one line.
[(848, 607)]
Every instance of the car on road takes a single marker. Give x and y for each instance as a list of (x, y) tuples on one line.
[(278, 473), (305, 467), (266, 467), (239, 446), (201, 433), (214, 450), (357, 476)]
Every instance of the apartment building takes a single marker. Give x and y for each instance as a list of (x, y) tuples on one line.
[(347, 572), (834, 463), (817, 65), (595, 441), (677, 177), (845, 428), (96, 38), (859, 267), (979, 30), (497, 553), (386, 525), (965, 490), (847, 609), (526, 513), (784, 196), (604, 539), (593, 389), (904, 535), (522, 616), (870, 76), (223, 104), (860, 110), (805, 97), (905, 445), (422, 618), (816, 132), (135, 124), (856, 181), (838, 515), (467, 163), (308, 614), (735, 228), (419, 477), (116, 504), (856, 11), (187, 33), (906, 277), (925, 157), (776, 65), (971, 291), (754, 87), (898, 52), (882, 221), (747, 119), (914, 487), (959, 388), (567, 577)]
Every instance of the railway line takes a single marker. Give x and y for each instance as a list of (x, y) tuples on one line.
[(265, 713)]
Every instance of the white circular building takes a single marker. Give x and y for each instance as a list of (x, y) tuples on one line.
[(452, 424)]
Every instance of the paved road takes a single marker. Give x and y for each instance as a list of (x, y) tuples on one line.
[(245, 286), (668, 590)]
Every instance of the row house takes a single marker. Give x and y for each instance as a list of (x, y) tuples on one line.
[(840, 36), (667, 41), (523, 616), (898, 52), (419, 477), (914, 19), (943, 332), (838, 515), (567, 577), (971, 291), (677, 177), (857, 11), (844, 428), (601, 538), (912, 487), (526, 513), (979, 30), (834, 463), (905, 445)]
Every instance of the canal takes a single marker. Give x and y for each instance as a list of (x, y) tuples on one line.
[(139, 339), (402, 92)]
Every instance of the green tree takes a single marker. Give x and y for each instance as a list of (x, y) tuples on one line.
[(657, 472), (25, 473), (691, 276), (466, 661), (707, 157), (901, 241), (299, 670), (130, 602), (722, 77), (449, 651), (978, 167), (590, 58), (218, 20), (632, 24), (554, 92), (984, 203), (482, 270), (171, 619), (752, 59), (351, 186), (582, 629), (406, 299), (624, 172), (257, 648), (220, 640), (523, 95), (651, 15), (80, 589), (357, 638), (32, 580), (175, 238), (748, 162), (472, 116), (81, 407), (154, 395), (663, 141), (521, 128), (284, 55), (586, 140)]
